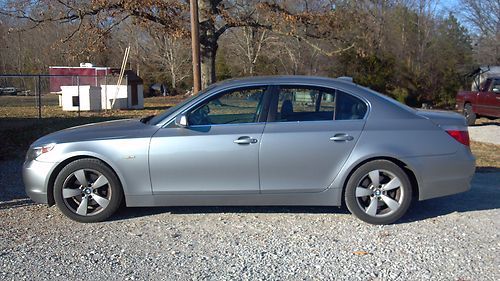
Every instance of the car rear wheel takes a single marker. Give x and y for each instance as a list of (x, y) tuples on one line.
[(378, 192), (87, 190), (469, 114)]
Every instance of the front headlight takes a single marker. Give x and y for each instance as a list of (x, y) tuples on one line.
[(35, 152)]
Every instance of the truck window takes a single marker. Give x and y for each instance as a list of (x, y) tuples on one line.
[(495, 86), (486, 85)]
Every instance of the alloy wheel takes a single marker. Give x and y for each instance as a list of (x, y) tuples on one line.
[(379, 193), (86, 192)]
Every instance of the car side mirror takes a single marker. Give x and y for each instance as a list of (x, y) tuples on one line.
[(181, 120)]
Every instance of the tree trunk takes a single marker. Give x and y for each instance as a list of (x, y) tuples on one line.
[(174, 77), (208, 41), (208, 55)]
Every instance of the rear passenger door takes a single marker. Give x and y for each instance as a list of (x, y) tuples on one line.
[(309, 135)]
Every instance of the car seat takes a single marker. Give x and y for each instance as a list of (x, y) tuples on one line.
[(286, 109)]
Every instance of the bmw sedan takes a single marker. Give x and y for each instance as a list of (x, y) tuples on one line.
[(284, 140)]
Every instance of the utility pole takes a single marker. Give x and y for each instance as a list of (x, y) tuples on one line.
[(195, 46)]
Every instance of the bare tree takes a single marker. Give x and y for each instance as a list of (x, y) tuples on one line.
[(484, 18), (247, 44), (172, 54)]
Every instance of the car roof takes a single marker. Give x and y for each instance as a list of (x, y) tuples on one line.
[(282, 79)]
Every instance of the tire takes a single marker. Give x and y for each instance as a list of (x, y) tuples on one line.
[(469, 114), (382, 203), (86, 190)]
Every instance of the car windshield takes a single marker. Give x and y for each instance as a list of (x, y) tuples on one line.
[(157, 119)]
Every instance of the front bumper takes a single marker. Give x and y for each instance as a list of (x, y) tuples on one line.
[(36, 177)]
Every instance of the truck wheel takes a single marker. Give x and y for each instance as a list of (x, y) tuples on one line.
[(469, 114)]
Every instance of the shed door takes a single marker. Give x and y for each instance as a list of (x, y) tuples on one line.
[(135, 98)]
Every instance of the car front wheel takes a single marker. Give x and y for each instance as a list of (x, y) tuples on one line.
[(87, 190), (378, 192)]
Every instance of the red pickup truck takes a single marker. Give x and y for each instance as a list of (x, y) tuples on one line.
[(482, 103)]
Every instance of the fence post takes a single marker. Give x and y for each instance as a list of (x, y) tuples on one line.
[(105, 93), (78, 86), (39, 86)]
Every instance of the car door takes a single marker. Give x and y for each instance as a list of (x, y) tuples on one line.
[(487, 102), (492, 100), (217, 152), (309, 135)]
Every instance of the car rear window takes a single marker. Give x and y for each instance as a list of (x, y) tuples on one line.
[(349, 107)]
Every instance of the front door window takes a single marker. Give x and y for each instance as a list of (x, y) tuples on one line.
[(233, 107)]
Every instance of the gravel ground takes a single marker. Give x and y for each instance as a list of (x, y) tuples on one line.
[(488, 132), (452, 238)]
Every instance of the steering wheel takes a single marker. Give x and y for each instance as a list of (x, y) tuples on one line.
[(200, 116)]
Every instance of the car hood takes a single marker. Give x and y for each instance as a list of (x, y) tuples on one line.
[(443, 118), (117, 129)]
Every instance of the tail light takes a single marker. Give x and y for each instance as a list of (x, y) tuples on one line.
[(460, 136)]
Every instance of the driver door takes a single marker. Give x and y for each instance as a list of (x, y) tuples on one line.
[(217, 153)]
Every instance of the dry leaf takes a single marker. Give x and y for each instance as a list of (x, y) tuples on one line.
[(360, 253)]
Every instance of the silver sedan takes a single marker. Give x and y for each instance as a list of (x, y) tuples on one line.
[(287, 140)]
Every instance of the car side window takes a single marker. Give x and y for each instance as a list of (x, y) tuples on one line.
[(495, 87), (349, 107), (232, 107), (305, 104)]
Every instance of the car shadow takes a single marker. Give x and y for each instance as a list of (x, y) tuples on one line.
[(16, 203), (483, 195), (137, 212)]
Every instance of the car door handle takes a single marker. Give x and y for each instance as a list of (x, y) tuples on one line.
[(342, 137), (245, 140)]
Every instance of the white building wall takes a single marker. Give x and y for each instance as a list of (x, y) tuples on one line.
[(99, 98), (110, 92), (83, 98)]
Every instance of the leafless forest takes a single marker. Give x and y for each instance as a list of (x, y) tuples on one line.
[(413, 50)]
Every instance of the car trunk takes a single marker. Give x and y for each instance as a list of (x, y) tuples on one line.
[(444, 118)]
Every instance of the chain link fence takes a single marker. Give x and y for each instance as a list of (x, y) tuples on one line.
[(46, 96)]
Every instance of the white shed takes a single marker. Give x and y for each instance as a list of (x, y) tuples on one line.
[(83, 98)]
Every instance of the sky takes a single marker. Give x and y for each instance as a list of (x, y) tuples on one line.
[(449, 5)]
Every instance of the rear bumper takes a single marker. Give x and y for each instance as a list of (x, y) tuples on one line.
[(443, 175), (35, 178)]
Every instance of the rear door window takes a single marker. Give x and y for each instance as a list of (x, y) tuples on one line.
[(305, 104)]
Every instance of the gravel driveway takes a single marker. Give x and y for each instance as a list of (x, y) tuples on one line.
[(453, 238), (487, 132)]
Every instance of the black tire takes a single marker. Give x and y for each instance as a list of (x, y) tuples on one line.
[(94, 201), (469, 114), (380, 212)]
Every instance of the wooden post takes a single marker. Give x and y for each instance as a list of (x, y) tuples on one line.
[(39, 87), (195, 46)]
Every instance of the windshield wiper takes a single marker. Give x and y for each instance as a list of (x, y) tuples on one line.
[(146, 119)]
